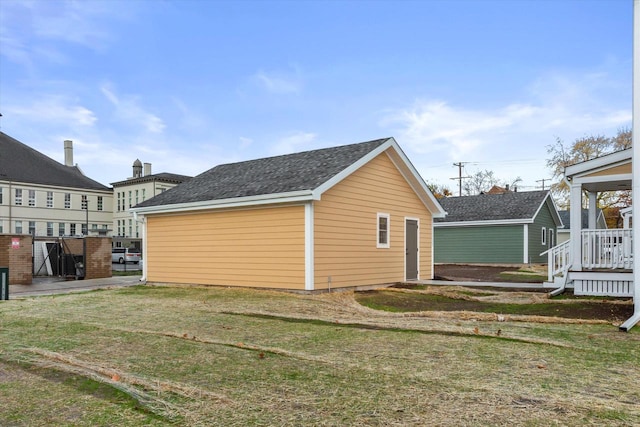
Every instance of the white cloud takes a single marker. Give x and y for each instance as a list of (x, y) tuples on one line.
[(557, 106), (278, 84), (294, 142), (34, 31), (434, 125), (55, 109), (128, 109), (511, 139)]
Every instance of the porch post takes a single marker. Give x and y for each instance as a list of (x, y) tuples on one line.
[(575, 215), (593, 210), (635, 160), (525, 248)]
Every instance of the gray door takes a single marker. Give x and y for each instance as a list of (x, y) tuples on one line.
[(411, 249)]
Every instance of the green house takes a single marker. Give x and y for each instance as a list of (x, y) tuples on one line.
[(508, 228)]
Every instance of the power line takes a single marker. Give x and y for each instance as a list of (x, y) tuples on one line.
[(543, 180)]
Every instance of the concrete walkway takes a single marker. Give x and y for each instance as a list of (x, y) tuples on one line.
[(480, 284), (53, 286)]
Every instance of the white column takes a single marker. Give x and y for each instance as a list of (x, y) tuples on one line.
[(593, 210), (575, 215), (525, 249), (636, 152), (145, 264), (309, 259)]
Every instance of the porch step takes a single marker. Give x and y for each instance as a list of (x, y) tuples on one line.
[(600, 283)]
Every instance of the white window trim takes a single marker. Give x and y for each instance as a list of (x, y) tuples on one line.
[(378, 244), (544, 235)]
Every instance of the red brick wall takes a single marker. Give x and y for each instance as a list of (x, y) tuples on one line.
[(17, 258), (98, 262)]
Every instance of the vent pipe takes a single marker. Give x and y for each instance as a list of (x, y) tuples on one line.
[(68, 152)]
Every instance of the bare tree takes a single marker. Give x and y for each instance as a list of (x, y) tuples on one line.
[(583, 149), (483, 181)]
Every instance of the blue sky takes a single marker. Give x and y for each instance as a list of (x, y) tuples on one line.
[(186, 85)]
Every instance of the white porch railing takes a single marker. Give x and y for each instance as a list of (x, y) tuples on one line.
[(608, 248), (558, 259)]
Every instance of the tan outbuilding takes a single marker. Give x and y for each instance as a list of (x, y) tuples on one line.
[(345, 216)]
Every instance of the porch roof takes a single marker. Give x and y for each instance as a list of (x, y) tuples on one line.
[(611, 172)]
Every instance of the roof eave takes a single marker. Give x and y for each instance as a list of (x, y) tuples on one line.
[(554, 211), (234, 202), (622, 156), (404, 166), (483, 223)]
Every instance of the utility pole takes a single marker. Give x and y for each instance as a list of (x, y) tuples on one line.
[(543, 180), (460, 165)]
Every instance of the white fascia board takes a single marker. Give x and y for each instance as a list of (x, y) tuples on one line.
[(235, 202), (413, 178), (482, 223), (602, 178), (605, 161), (317, 193), (404, 166)]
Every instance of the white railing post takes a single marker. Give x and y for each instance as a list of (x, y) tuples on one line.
[(607, 248), (550, 265), (559, 259)]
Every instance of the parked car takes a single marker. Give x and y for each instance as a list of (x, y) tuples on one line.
[(122, 255)]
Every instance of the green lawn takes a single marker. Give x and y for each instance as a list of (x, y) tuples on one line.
[(231, 357)]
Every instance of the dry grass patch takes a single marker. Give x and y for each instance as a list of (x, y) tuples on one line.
[(212, 356)]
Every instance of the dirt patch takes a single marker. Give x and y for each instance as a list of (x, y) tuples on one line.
[(613, 311), (484, 273)]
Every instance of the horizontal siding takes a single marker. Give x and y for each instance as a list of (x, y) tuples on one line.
[(345, 228), (257, 247), (485, 244), (544, 219)]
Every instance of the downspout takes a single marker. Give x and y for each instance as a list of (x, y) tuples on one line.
[(635, 156), (143, 221)]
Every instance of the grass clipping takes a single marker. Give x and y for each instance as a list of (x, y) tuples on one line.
[(152, 395)]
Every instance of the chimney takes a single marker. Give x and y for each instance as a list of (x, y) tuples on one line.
[(147, 169), (68, 152)]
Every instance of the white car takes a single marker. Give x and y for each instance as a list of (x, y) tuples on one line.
[(122, 255)]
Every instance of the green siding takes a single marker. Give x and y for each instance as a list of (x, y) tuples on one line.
[(544, 219), (496, 244)]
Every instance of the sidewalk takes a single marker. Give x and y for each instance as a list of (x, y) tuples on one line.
[(53, 286), (515, 285)]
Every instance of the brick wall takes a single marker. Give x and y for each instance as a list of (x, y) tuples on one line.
[(15, 253), (98, 263), (73, 245)]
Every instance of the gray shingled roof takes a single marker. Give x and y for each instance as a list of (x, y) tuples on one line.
[(492, 207), (565, 216), (162, 176), (281, 174), (21, 163)]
